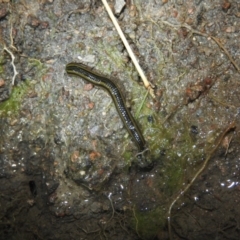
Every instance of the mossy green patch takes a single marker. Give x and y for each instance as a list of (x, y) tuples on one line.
[(172, 147), (148, 224), (1, 63), (127, 156), (13, 104), (33, 62)]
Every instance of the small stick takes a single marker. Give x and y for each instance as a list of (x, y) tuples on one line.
[(12, 62), (130, 52), (207, 36)]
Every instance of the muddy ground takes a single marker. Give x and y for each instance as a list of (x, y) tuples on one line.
[(68, 168)]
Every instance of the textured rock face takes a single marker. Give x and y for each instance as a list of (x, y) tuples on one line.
[(67, 164)]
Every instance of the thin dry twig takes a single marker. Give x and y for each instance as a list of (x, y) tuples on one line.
[(11, 39), (130, 52), (15, 72), (134, 214), (216, 40)]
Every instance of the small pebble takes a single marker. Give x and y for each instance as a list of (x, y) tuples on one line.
[(2, 82), (119, 5)]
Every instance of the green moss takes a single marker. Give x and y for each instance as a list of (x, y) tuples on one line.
[(127, 157), (13, 104), (148, 224), (1, 63), (33, 62), (172, 151)]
